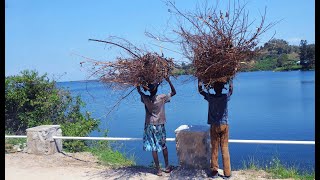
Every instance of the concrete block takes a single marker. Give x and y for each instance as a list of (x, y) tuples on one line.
[(193, 146), (40, 141)]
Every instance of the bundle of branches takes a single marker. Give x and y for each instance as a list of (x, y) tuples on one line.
[(142, 68), (215, 59), (150, 68), (216, 43)]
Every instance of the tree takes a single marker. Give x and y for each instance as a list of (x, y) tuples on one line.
[(33, 100), (311, 55), (307, 55), (282, 60), (277, 46), (303, 52)]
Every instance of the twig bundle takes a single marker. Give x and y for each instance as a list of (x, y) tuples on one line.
[(216, 43), (216, 60), (142, 68), (151, 68)]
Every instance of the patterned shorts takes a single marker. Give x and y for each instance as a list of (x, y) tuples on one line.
[(154, 137)]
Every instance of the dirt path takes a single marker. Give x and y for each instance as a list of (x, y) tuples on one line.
[(84, 166)]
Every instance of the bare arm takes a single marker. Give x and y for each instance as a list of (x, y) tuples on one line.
[(173, 90), (230, 88), (200, 89), (139, 90)]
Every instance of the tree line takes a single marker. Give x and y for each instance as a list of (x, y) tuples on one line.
[(275, 55)]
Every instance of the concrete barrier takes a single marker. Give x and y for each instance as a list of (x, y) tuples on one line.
[(40, 139), (193, 146)]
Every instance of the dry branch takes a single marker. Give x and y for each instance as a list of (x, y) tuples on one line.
[(141, 69), (216, 42)]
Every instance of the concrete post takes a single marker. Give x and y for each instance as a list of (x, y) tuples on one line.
[(193, 146), (40, 141)]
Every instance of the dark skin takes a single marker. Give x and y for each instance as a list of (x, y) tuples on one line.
[(153, 92), (217, 86)]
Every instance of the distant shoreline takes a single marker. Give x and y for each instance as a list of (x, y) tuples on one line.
[(97, 80)]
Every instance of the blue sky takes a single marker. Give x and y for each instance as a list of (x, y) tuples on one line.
[(49, 36)]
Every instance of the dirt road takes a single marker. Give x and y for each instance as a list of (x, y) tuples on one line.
[(84, 166)]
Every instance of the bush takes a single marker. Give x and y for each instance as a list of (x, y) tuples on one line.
[(109, 156), (265, 64), (33, 100)]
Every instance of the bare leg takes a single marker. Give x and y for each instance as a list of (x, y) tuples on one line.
[(165, 156), (156, 162)]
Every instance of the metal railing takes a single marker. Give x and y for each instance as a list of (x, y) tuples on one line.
[(173, 139)]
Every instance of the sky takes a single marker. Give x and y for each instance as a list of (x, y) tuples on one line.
[(52, 36)]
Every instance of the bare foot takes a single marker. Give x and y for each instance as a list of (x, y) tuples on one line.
[(159, 172), (168, 169)]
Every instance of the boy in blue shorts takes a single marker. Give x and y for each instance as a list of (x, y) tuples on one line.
[(154, 137)]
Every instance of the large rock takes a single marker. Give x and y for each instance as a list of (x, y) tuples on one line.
[(40, 141), (193, 146)]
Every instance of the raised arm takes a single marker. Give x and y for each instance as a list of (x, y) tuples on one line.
[(230, 88), (173, 90), (200, 89), (139, 90)]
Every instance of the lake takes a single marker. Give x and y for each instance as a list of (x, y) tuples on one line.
[(265, 105)]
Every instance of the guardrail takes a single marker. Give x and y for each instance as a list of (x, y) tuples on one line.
[(173, 139)]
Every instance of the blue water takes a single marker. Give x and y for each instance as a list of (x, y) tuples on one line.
[(264, 106)]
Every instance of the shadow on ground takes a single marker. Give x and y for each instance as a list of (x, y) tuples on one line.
[(140, 172)]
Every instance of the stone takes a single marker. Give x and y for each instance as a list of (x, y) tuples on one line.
[(193, 146), (40, 140)]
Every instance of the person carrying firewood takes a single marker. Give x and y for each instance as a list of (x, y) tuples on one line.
[(219, 128), (154, 137)]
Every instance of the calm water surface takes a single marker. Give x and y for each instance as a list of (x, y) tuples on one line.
[(264, 106)]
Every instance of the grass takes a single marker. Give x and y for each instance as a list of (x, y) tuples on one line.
[(110, 157), (10, 142), (277, 170), (265, 64)]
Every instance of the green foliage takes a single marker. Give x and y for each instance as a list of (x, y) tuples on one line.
[(10, 142), (16, 141), (303, 50), (277, 46), (183, 69), (311, 53), (177, 71), (29, 101), (278, 55), (278, 170), (251, 164), (282, 60), (33, 100), (289, 68), (266, 64), (307, 55), (82, 127), (275, 55), (108, 156)]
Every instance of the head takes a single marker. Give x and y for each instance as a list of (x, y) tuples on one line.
[(152, 88), (218, 87)]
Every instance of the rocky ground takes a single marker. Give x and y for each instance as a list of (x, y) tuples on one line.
[(84, 166)]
